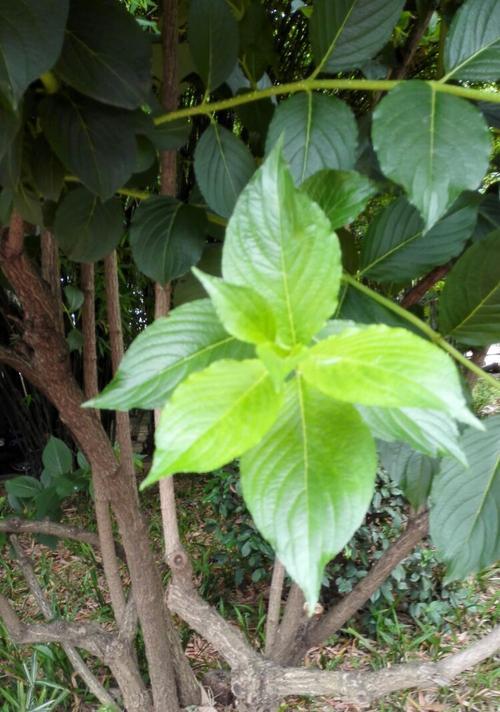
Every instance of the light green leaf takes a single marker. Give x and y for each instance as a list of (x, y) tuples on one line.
[(429, 431), (380, 366), (29, 43), (57, 458), (167, 237), (281, 241), (190, 339), (319, 131), (415, 147), (213, 417), (410, 470), (469, 308), (87, 229), (105, 54), (213, 40), (397, 248), (309, 482), (241, 310), (472, 48), (342, 195), (347, 33), (223, 165), (465, 512)]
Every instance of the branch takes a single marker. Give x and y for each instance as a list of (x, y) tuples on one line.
[(415, 294), (274, 606)]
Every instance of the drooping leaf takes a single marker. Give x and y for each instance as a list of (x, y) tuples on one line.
[(94, 141), (105, 54), (412, 471), (166, 237), (281, 241), (309, 482), (170, 136), (189, 340), (31, 37), (256, 45), (347, 33), (318, 132), (213, 40), (214, 416), (241, 310), (223, 165), (397, 248), (415, 147), (23, 487), (488, 218), (429, 431), (86, 228), (9, 125), (465, 511), (27, 203), (380, 366), (74, 339), (469, 308), (472, 48), (74, 297), (57, 457), (342, 195), (11, 162), (46, 169)]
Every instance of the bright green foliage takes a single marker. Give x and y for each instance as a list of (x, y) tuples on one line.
[(213, 417), (465, 512), (472, 49), (415, 147), (223, 166), (281, 241), (318, 132), (213, 40), (167, 237), (341, 194), (347, 33), (309, 482), (469, 308)]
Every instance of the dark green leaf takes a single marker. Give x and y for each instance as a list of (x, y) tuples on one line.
[(360, 308), (57, 458), (469, 308), (27, 203), (256, 41), (167, 237), (319, 132), (190, 339), (187, 288), (472, 49), (48, 504), (94, 141), (309, 482), (465, 512), (87, 229), (170, 136), (74, 297), (46, 169), (9, 125), (347, 33), (488, 216), (397, 249), (23, 487), (75, 340), (31, 37), (213, 40), (342, 195), (412, 471), (415, 147), (105, 54)]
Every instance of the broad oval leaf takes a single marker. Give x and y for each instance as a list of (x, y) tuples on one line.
[(465, 511), (24, 487), (167, 237), (223, 165), (213, 40), (241, 310), (309, 483), (94, 141), (429, 431), (469, 308), (319, 131), (213, 417), (386, 367), (46, 169), (397, 248), (472, 49), (347, 33), (256, 46), (57, 458), (415, 147), (31, 37), (190, 339), (86, 228), (74, 297), (412, 471), (281, 241), (342, 195), (105, 54)]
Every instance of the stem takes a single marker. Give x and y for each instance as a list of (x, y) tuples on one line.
[(434, 336), (274, 606), (206, 108)]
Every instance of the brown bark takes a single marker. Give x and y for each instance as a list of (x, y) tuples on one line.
[(416, 293), (51, 271), (274, 606)]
